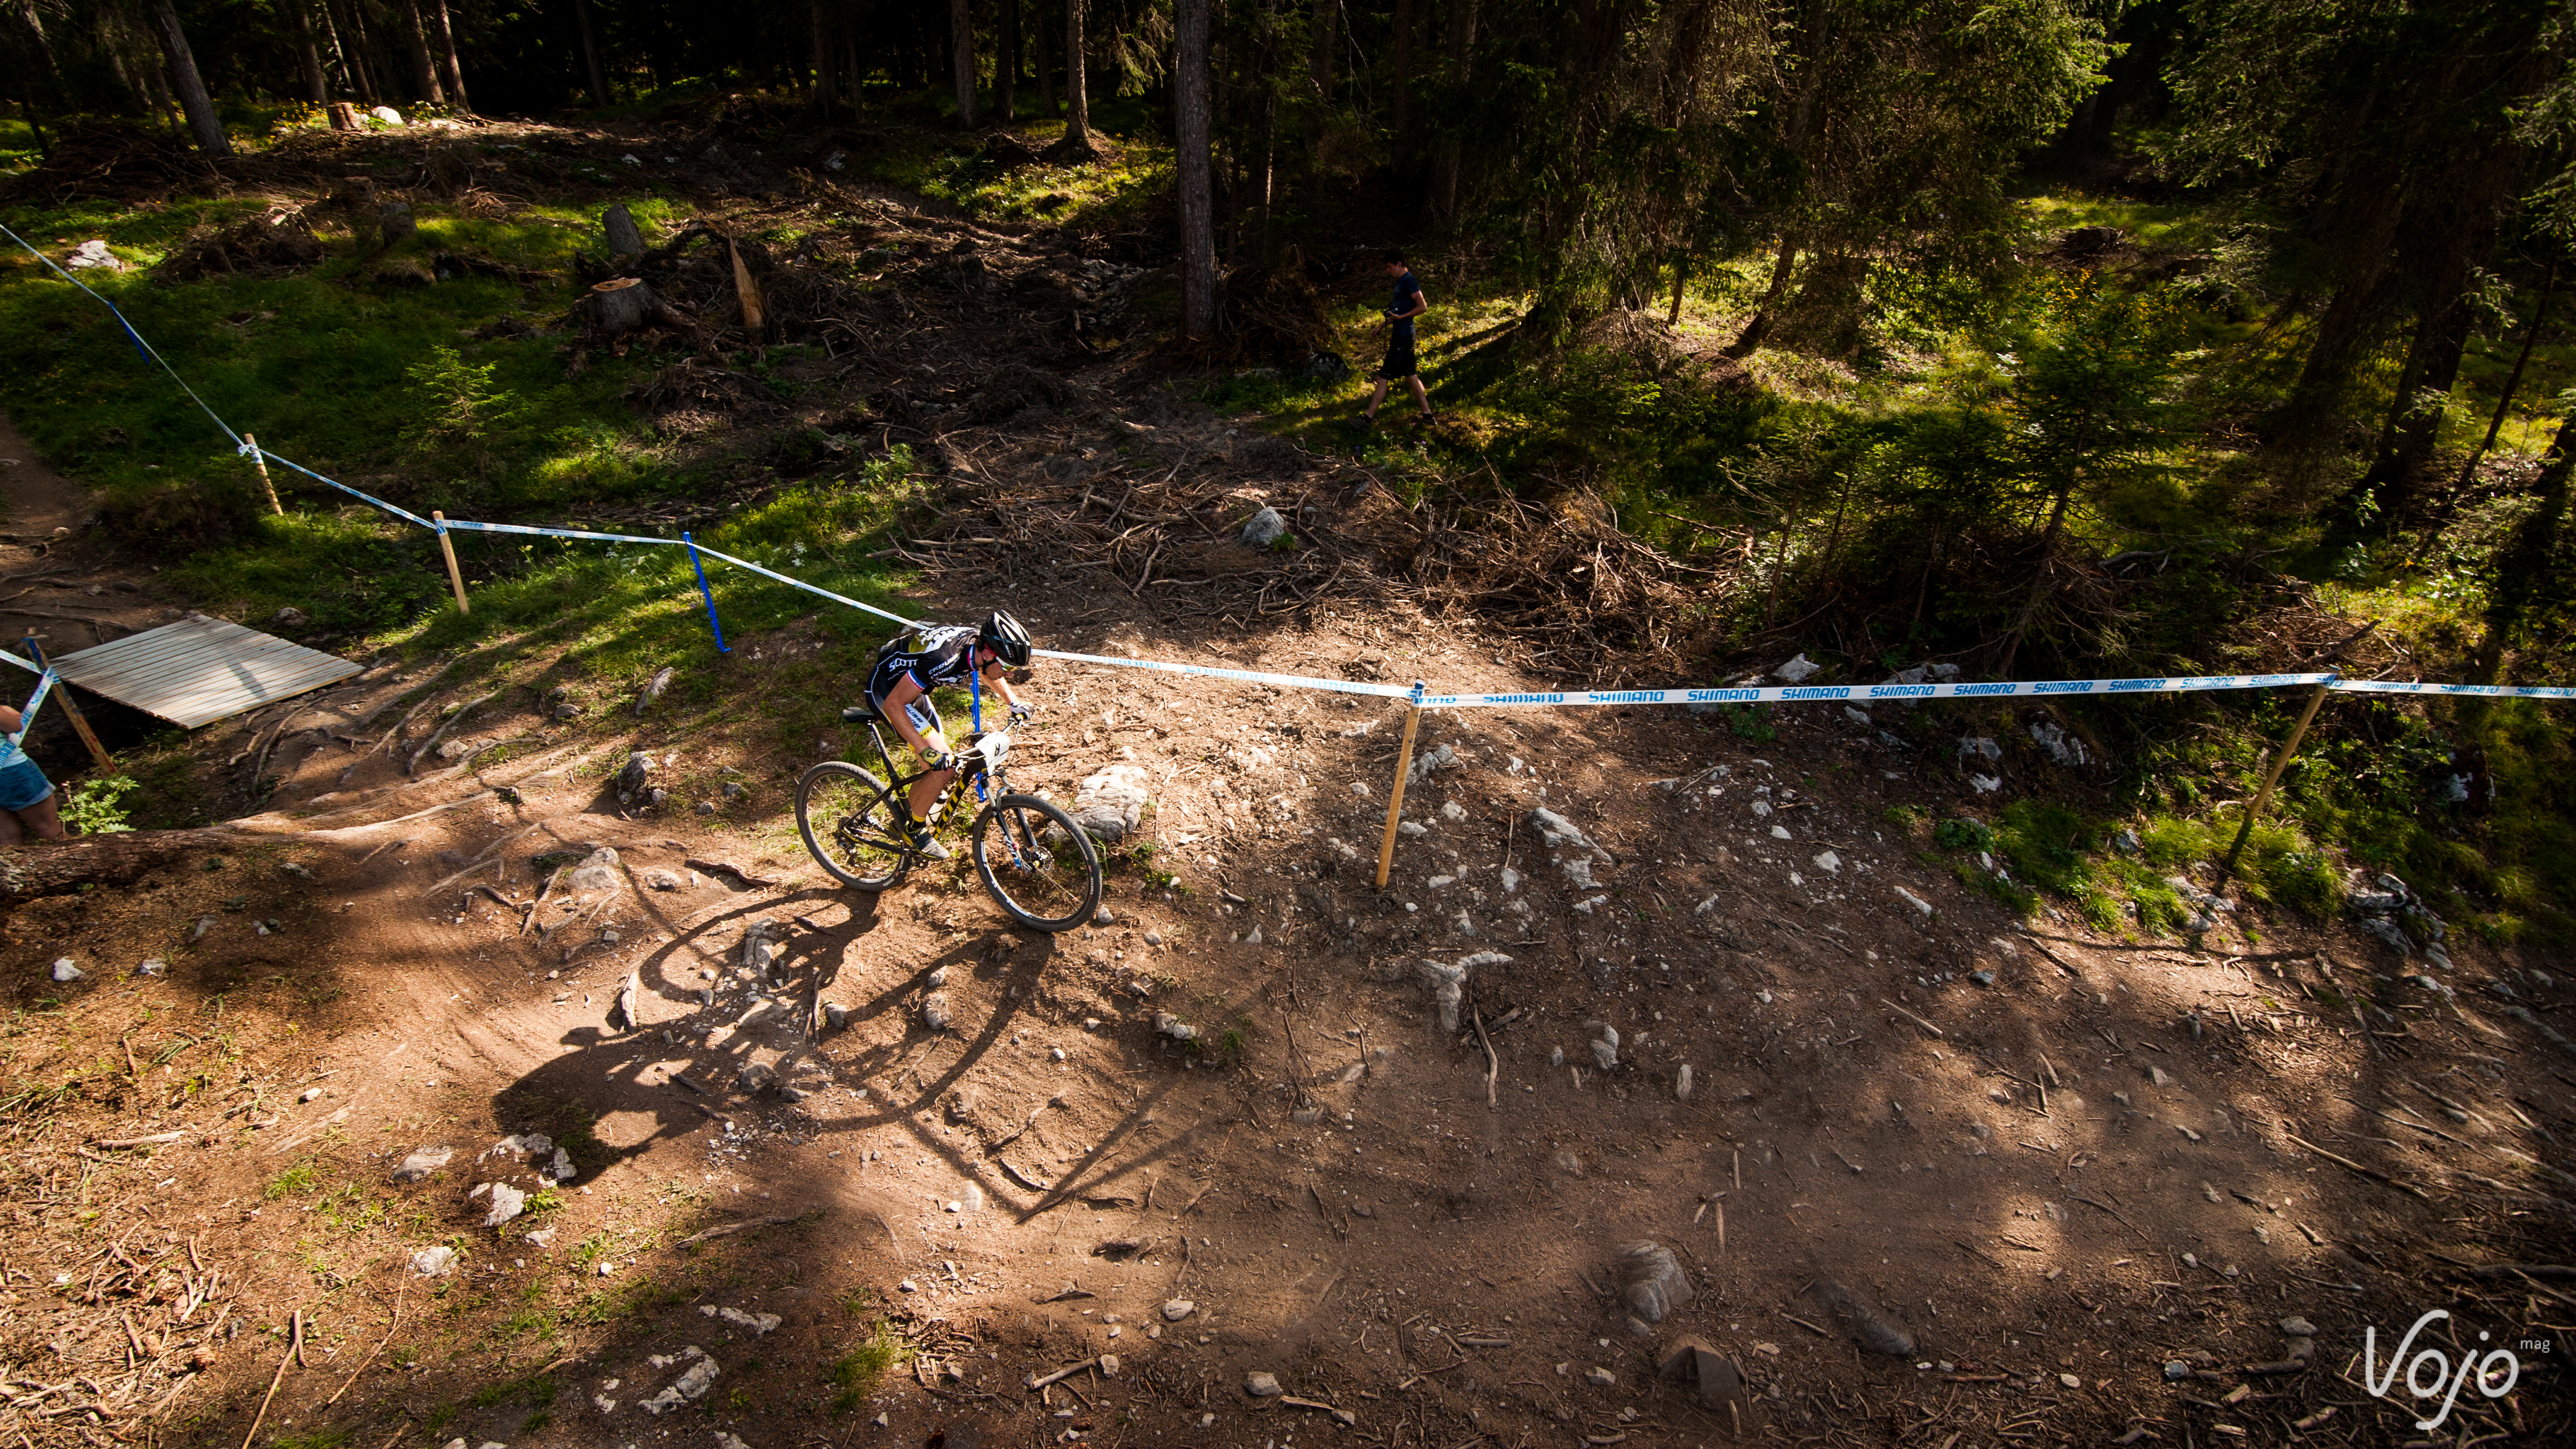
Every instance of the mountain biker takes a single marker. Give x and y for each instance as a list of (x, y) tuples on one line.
[(899, 687)]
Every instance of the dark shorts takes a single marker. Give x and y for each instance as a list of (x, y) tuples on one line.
[(23, 786), (1399, 360)]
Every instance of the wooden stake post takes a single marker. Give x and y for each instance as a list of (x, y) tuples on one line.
[(2271, 778), (71, 710), (260, 461), (455, 578), (1395, 797)]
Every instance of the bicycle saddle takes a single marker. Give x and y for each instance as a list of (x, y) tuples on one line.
[(864, 712)]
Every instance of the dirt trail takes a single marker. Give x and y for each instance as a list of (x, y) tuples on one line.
[(2088, 1173)]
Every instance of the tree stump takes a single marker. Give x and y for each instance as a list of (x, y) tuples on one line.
[(344, 116), (398, 224), (623, 304), (620, 304), (625, 239)]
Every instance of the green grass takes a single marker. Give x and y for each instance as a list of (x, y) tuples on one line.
[(855, 1373), (299, 1178)]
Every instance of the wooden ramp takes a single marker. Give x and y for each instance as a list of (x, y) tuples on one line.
[(199, 670)]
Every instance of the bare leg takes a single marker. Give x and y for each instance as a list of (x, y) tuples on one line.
[(45, 818), (11, 832), (1419, 394), (926, 789), (1376, 395)]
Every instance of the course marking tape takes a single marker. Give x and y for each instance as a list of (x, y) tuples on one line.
[(1738, 694), (35, 702), (2490, 691), (1247, 676), (473, 527), (142, 348), (1862, 693), (245, 450)]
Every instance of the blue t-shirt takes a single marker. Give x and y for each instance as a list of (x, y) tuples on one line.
[(1407, 287)]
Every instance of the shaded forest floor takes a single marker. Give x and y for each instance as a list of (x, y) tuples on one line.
[(2008, 1164)]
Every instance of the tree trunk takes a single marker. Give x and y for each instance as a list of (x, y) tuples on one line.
[(203, 124), (1006, 65), (1751, 337), (1320, 58), (1077, 119), (308, 56), (51, 868), (424, 69), (2038, 586), (961, 47), (624, 237), (1191, 26), (362, 66), (823, 88), (35, 24), (622, 304), (2524, 563), (1401, 102), (1449, 159), (448, 66), (339, 56), (1046, 68), (590, 53)]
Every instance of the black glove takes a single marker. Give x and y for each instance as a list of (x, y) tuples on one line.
[(1020, 713)]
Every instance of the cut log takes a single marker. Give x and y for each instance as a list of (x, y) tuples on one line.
[(625, 238), (51, 868), (344, 115)]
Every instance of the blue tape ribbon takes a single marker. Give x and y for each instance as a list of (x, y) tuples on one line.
[(35, 702), (142, 348), (713, 623), (1417, 695)]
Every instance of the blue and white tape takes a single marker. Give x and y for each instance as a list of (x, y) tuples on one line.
[(142, 348), (1705, 695), (1863, 693)]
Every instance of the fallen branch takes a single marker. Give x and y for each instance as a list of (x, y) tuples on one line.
[(2374, 1174), (1910, 1016), (1060, 1375), (294, 1347), (730, 1229), (450, 723), (716, 867)]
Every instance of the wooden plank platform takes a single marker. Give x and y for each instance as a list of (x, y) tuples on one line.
[(198, 670)]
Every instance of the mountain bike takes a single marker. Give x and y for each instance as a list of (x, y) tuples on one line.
[(1035, 861)]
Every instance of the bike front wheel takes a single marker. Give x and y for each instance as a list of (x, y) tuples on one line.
[(853, 825), (1037, 863)]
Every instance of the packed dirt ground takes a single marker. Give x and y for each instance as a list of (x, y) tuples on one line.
[(1914, 1169)]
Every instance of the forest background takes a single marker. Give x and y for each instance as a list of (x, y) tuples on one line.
[(2041, 337)]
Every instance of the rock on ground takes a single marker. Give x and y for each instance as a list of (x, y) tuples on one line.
[(1109, 805), (1651, 1281)]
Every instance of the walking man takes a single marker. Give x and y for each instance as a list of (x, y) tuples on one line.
[(1409, 303)]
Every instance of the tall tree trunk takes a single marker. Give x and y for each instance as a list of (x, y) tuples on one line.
[(1400, 109), (203, 123), (1006, 65), (1077, 98), (449, 67), (308, 56), (961, 47), (1046, 67), (371, 80), (331, 47), (823, 89), (2524, 563), (35, 24), (424, 68), (1320, 57), (1190, 32), (1760, 322), (1449, 159), (590, 53)]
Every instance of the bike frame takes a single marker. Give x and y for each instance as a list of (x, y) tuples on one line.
[(978, 772)]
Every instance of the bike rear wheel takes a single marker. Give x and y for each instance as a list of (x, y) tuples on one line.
[(1037, 863), (852, 824)]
